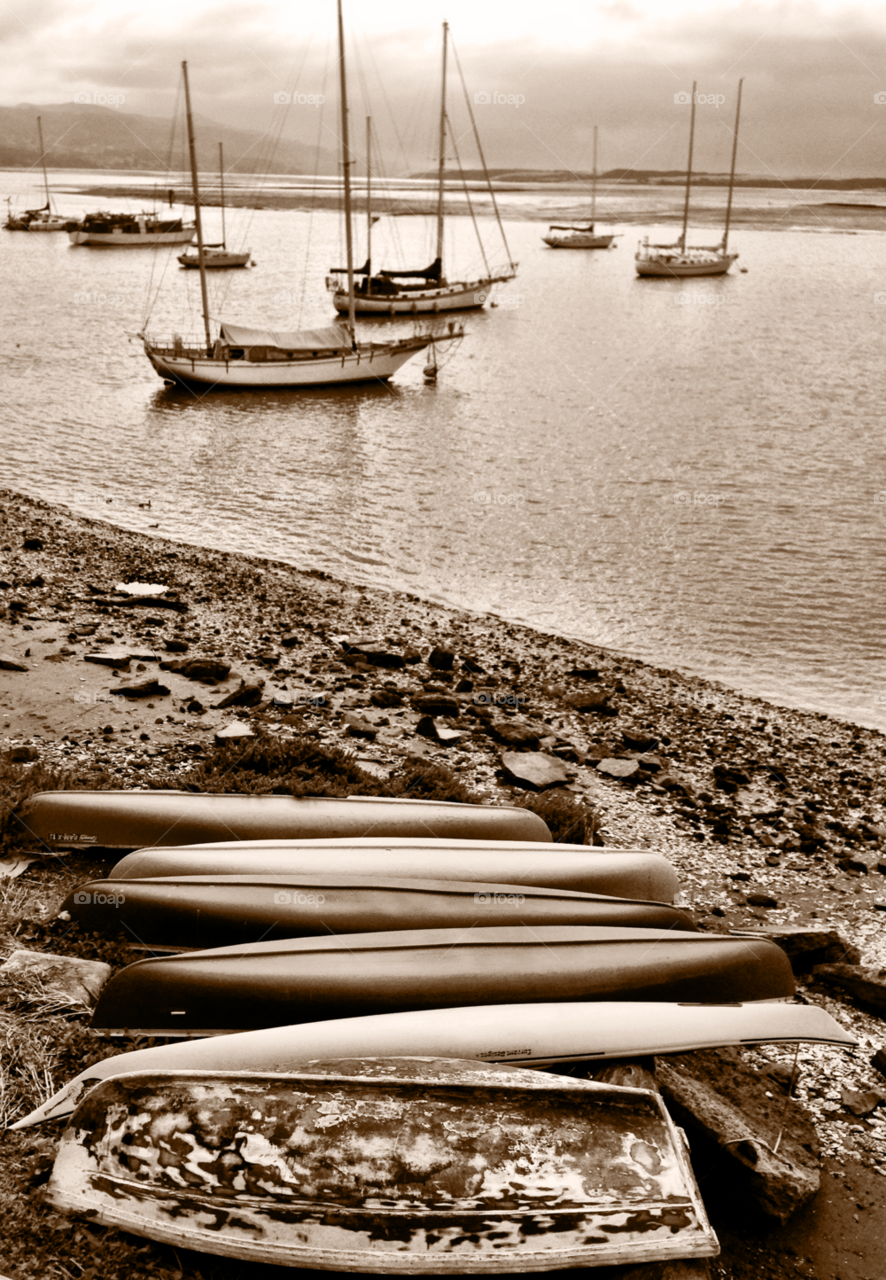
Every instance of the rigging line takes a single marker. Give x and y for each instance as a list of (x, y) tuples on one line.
[(480, 150), (312, 203), (173, 125), (464, 183)]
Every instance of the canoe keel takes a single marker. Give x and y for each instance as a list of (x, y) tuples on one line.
[(409, 1166)]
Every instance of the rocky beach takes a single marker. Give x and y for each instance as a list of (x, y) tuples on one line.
[(131, 661)]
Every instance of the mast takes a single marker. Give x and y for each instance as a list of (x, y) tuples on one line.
[(442, 149), (221, 177), (689, 172), (196, 188), (594, 183), (369, 196), (346, 166), (43, 160), (732, 170)]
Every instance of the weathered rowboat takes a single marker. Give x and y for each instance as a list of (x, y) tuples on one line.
[(392, 1166), (189, 912), (527, 1035), (133, 819), (576, 867), (264, 984)]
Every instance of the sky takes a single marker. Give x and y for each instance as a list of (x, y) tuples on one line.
[(539, 75)]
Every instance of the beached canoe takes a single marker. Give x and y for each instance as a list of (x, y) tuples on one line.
[(527, 1035), (189, 912), (265, 984), (135, 819), (574, 867), (391, 1165)]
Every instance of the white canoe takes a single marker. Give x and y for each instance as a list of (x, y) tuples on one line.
[(534, 1035), (627, 873)]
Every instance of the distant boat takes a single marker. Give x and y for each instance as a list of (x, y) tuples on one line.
[(217, 256), (586, 237), (425, 290), (129, 231), (38, 219), (680, 259)]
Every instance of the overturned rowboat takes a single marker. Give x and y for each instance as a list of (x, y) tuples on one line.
[(392, 1166), (526, 1035), (189, 912), (134, 819), (265, 984), (575, 867)]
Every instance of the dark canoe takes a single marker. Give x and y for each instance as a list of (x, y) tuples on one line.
[(627, 873), (269, 984), (183, 912), (134, 819), (394, 1166)]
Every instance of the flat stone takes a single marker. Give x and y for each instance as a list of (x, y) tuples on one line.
[(198, 668), (375, 652), (233, 733), (514, 733), (118, 658), (72, 979), (141, 589), (614, 768), (248, 695), (534, 769), (867, 985), (141, 689), (357, 727), (435, 704), (438, 731), (176, 646), (639, 739)]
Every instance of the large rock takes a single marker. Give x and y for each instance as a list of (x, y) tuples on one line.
[(715, 1095), (248, 695), (615, 768), (207, 669), (435, 704), (233, 733), (141, 689), (357, 727), (534, 769), (117, 658), (441, 659), (867, 985), (376, 652), (12, 664), (514, 733), (67, 977), (438, 731)]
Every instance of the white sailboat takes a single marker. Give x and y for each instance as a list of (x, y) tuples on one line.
[(586, 237), (424, 291), (250, 356), (681, 259), (38, 219), (218, 256)]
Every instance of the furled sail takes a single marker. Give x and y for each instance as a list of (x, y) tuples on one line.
[(333, 337)]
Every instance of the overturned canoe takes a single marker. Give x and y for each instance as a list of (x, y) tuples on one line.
[(394, 1166), (134, 819), (265, 984), (182, 912), (531, 1035), (576, 867)]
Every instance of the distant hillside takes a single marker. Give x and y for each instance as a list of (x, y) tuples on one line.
[(84, 136), (666, 177)]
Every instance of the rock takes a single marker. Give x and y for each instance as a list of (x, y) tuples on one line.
[(858, 862), (534, 769), (867, 985), (142, 689), (650, 764), (375, 652), (386, 698), (435, 704), (235, 732), (32, 544), (862, 1104), (144, 589), (290, 639), (195, 708), (638, 739), (22, 755), (592, 700), (584, 673), (441, 659), (118, 658), (357, 727), (760, 898), (717, 1096), (879, 1061), (438, 731), (209, 669), (248, 695), (614, 768), (176, 646), (808, 947), (472, 667), (77, 981), (411, 655), (514, 733)]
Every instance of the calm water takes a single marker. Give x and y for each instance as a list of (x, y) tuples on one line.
[(691, 472)]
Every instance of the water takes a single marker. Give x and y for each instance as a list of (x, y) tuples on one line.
[(692, 472)]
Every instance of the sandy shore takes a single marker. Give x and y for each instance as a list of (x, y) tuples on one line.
[(772, 816)]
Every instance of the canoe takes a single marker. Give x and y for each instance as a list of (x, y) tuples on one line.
[(266, 984), (576, 867), (527, 1035), (189, 912), (134, 819), (392, 1166)]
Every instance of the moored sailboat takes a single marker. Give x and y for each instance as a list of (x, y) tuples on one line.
[(218, 257), (581, 237), (680, 259), (42, 219)]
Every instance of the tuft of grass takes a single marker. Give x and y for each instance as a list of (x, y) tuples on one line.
[(570, 820)]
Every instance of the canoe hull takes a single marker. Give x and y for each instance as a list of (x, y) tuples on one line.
[(270, 984), (573, 867), (187, 912), (134, 819), (388, 1166)]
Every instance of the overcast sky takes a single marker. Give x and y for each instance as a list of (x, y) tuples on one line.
[(545, 72)]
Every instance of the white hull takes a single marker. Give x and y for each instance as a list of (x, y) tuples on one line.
[(456, 297), (579, 240), (215, 259), (130, 240), (371, 362), (673, 264)]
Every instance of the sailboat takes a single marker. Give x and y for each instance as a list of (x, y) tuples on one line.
[(249, 356), (38, 219), (682, 260), (585, 237), (425, 290), (218, 256)]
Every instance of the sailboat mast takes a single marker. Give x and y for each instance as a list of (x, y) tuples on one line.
[(196, 189), (43, 159), (221, 178), (442, 148), (594, 181), (369, 194), (732, 170), (688, 170), (346, 166)]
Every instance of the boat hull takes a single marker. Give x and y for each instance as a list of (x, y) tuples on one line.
[(458, 297), (216, 260), (675, 269), (372, 362), (185, 912), (243, 988), (133, 819), (579, 240), (575, 867), (130, 240), (530, 1035), (393, 1166)]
